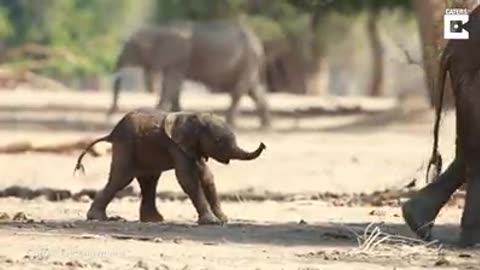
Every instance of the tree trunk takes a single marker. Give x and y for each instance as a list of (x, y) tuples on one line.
[(430, 21), (376, 83), (318, 79)]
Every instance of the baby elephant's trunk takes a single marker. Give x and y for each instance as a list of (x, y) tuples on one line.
[(241, 154)]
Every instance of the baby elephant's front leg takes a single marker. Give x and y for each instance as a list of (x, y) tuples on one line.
[(208, 186), (188, 175)]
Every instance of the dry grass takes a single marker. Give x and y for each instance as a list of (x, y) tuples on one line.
[(373, 239)]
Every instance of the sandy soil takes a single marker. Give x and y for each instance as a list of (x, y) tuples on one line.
[(310, 151)]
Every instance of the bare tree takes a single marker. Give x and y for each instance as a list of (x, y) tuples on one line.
[(376, 82), (430, 21)]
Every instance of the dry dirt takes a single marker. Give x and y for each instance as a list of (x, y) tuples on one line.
[(308, 203)]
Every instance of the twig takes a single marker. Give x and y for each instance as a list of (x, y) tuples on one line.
[(373, 237), (408, 56)]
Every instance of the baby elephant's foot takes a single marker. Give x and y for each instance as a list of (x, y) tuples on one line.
[(116, 218), (151, 217), (221, 216), (209, 219), (95, 214)]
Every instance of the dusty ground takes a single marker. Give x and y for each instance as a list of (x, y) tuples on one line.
[(310, 152)]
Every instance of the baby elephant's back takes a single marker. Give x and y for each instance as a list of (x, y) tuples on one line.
[(139, 122), (140, 126), (141, 132)]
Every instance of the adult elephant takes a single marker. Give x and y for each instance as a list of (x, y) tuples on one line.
[(224, 55), (461, 59)]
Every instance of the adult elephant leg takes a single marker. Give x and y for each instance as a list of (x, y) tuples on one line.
[(121, 174), (171, 87), (188, 176), (240, 88), (149, 80), (208, 185), (421, 210), (116, 92), (176, 101), (258, 94), (470, 223), (232, 111), (148, 208)]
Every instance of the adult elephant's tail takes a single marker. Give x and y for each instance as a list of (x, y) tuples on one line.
[(436, 158)]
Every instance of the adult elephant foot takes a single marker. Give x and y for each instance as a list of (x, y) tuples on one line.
[(220, 215), (209, 219), (167, 107), (265, 120), (99, 215), (266, 125), (96, 214), (151, 216), (112, 110), (421, 210), (419, 214), (230, 121)]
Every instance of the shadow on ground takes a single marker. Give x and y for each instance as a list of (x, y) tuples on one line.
[(243, 232), (371, 122)]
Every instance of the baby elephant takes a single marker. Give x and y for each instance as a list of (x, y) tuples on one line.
[(146, 142)]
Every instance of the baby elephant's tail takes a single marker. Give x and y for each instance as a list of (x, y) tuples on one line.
[(79, 165)]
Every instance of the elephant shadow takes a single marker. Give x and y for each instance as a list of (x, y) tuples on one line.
[(240, 232)]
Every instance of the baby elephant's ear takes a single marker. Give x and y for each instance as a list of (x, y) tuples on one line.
[(182, 128)]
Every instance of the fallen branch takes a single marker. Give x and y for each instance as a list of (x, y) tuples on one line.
[(40, 51), (11, 77), (63, 148), (43, 82)]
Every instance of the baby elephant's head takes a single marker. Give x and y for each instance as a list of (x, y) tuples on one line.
[(205, 135)]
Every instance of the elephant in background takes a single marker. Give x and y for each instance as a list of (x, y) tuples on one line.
[(226, 56), (461, 60)]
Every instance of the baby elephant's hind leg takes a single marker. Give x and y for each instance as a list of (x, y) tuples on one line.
[(148, 208), (121, 174), (208, 186)]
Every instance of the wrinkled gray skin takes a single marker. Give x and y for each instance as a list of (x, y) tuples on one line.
[(147, 142), (461, 59), (224, 55)]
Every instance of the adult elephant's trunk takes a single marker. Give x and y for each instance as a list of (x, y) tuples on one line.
[(239, 153)]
